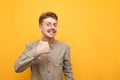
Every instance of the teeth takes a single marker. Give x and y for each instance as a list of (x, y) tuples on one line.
[(51, 31)]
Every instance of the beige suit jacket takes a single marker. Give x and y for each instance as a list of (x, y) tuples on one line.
[(47, 66)]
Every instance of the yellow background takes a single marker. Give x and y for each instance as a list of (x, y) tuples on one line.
[(91, 27)]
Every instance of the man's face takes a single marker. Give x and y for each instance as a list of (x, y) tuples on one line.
[(49, 27)]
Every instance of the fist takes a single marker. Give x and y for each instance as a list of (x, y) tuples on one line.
[(43, 47)]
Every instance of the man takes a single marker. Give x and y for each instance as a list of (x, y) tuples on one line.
[(47, 57)]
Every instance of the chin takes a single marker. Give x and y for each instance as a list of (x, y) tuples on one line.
[(50, 37)]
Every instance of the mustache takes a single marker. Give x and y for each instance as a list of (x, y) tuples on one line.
[(52, 30)]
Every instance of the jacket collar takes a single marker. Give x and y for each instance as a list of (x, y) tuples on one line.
[(52, 45)]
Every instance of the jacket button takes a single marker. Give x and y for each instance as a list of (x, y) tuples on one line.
[(49, 61), (48, 71)]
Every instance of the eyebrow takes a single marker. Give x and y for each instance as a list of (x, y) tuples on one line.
[(50, 22)]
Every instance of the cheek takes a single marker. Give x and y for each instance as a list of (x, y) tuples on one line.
[(56, 29), (44, 29)]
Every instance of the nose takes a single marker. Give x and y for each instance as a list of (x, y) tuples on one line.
[(52, 26)]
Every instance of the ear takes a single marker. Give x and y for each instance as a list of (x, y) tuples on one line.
[(40, 27)]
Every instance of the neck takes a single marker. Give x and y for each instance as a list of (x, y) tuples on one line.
[(49, 40)]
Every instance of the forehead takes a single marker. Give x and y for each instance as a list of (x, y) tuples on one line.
[(50, 20)]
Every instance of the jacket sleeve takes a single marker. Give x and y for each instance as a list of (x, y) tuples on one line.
[(67, 66), (26, 59)]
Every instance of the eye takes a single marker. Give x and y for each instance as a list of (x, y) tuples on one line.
[(48, 24), (55, 25)]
